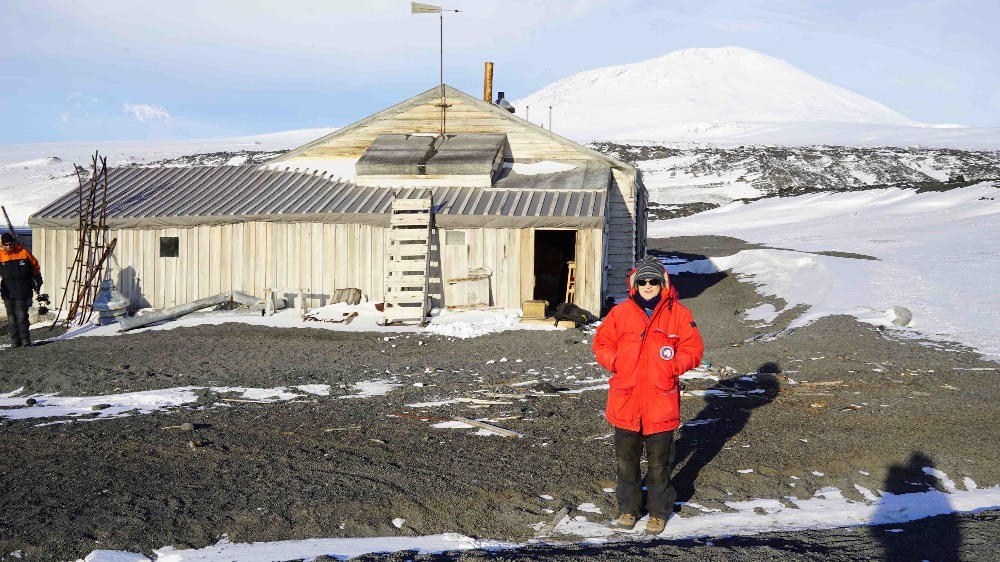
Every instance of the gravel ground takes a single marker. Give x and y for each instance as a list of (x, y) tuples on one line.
[(840, 397)]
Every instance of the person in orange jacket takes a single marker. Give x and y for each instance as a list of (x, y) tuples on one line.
[(647, 342), (19, 276)]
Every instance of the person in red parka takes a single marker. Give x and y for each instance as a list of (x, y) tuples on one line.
[(647, 342)]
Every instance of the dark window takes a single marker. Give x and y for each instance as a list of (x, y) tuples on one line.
[(169, 247)]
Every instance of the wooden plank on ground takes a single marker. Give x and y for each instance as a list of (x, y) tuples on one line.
[(551, 525), (488, 427)]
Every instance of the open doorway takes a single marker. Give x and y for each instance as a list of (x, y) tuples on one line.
[(554, 249)]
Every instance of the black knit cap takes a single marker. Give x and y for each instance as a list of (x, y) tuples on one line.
[(650, 268), (6, 238)]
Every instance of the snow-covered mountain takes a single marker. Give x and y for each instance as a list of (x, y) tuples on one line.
[(727, 95)]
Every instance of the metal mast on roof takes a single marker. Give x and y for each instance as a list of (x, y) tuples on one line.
[(418, 8)]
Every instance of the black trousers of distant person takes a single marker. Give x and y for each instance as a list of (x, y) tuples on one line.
[(17, 321), (660, 491)]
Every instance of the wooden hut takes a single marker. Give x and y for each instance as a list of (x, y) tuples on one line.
[(510, 206)]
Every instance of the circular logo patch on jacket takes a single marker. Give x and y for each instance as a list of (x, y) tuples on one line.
[(666, 353)]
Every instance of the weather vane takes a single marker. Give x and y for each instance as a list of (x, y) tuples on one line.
[(418, 8)]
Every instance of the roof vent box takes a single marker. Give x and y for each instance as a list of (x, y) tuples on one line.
[(459, 160)]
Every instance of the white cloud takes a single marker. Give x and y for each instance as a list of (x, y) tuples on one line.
[(144, 112), (64, 117)]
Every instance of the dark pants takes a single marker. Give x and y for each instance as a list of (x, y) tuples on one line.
[(17, 321), (659, 461)]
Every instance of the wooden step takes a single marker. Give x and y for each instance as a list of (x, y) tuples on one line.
[(400, 297), (397, 278), (406, 265), (410, 220), (411, 204), (407, 236), (408, 249)]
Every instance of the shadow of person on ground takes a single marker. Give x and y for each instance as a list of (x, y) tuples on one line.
[(728, 405), (912, 491)]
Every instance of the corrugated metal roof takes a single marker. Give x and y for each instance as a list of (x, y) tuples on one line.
[(204, 191), (586, 175), (158, 197)]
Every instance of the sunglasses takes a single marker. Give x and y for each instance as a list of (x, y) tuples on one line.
[(642, 282)]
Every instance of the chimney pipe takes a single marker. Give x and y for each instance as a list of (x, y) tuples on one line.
[(503, 103), (488, 83)]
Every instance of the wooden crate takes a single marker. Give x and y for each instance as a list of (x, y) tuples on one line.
[(534, 309)]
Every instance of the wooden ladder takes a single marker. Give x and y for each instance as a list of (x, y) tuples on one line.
[(571, 282), (408, 261)]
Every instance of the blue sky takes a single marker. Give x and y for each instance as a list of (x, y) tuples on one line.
[(140, 69)]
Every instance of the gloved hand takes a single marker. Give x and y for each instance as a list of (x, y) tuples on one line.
[(38, 284)]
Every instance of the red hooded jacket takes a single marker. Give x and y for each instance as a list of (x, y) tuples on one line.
[(646, 355)]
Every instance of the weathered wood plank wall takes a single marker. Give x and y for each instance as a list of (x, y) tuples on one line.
[(254, 256)]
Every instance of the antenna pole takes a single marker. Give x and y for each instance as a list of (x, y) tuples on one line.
[(444, 102), (418, 8)]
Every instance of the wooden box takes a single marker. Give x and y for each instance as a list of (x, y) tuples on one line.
[(534, 309)]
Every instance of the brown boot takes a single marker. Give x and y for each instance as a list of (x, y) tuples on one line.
[(626, 521), (655, 525)]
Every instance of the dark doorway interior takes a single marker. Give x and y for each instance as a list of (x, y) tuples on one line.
[(553, 250)]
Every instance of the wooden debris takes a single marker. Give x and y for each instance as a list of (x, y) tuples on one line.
[(488, 427), (497, 395), (519, 383), (328, 430), (484, 402), (345, 318), (551, 525), (522, 396), (417, 417), (351, 296)]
